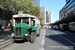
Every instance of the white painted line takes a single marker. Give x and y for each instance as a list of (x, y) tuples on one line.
[(44, 31), (44, 34), (43, 42), (65, 38), (42, 49)]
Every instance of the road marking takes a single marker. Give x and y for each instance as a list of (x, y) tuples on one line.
[(43, 42), (44, 34), (65, 38), (43, 37), (44, 31), (42, 49)]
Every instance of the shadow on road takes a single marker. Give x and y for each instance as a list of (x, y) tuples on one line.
[(57, 38), (67, 34)]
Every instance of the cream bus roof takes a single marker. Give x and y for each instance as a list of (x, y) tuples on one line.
[(23, 15)]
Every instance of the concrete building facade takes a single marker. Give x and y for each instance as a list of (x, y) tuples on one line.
[(36, 2), (50, 17), (47, 15), (43, 13), (61, 13), (67, 9)]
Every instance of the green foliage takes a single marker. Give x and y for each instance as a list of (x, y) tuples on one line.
[(7, 3), (35, 10), (23, 5), (42, 22), (40, 17)]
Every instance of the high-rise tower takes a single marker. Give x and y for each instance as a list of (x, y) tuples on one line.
[(36, 2)]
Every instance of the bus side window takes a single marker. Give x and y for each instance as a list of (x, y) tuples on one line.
[(33, 23)]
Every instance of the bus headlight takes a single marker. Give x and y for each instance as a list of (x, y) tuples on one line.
[(26, 34), (12, 34)]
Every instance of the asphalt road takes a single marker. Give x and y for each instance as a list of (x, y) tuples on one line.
[(54, 40), (49, 40)]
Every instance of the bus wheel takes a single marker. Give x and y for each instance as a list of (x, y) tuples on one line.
[(32, 37), (38, 34)]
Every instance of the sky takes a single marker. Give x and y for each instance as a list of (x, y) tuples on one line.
[(53, 6)]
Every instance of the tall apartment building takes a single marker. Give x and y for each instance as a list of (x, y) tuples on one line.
[(67, 9), (36, 2), (43, 13), (47, 15)]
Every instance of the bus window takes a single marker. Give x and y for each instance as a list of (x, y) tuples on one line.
[(25, 20), (33, 23), (17, 20)]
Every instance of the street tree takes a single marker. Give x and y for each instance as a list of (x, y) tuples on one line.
[(42, 23), (35, 10), (16, 5), (40, 17), (25, 6)]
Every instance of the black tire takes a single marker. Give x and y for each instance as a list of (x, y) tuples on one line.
[(12, 40), (32, 37), (38, 34)]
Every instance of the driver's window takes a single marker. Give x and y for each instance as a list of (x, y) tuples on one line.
[(25, 20)]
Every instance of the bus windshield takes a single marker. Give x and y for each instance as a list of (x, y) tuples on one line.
[(25, 20), (17, 20)]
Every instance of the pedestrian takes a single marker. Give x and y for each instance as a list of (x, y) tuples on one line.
[(11, 26), (2, 28)]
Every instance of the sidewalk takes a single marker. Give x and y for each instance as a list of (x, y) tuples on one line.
[(5, 35)]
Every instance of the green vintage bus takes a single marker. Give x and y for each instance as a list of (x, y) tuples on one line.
[(25, 27)]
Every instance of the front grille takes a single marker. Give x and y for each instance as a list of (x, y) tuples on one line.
[(18, 31), (20, 34)]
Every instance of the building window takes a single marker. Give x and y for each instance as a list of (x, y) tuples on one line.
[(68, 1)]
